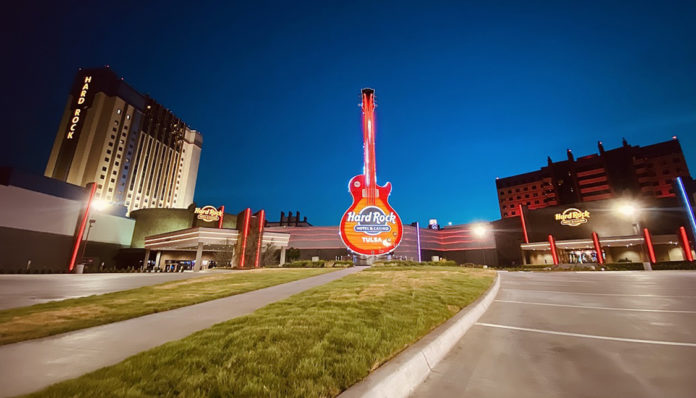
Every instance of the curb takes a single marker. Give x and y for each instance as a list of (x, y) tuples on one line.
[(400, 376)]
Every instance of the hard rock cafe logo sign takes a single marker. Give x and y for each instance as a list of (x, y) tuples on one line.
[(371, 221), (573, 217), (76, 114), (208, 213)]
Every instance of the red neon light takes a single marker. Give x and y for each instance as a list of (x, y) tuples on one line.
[(524, 224), (648, 243), (222, 215), (685, 244), (262, 216), (247, 218), (554, 255), (78, 240), (598, 248)]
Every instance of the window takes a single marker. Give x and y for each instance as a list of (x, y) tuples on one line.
[(113, 180), (113, 136), (106, 159), (111, 189), (114, 129), (118, 111), (104, 168), (114, 173), (101, 177), (108, 151), (128, 117), (111, 144)]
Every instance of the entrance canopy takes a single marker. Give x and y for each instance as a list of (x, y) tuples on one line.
[(190, 239)]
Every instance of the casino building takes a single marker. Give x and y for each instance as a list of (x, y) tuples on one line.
[(638, 171), (138, 152)]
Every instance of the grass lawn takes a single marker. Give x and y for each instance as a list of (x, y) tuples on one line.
[(46, 319), (313, 344)]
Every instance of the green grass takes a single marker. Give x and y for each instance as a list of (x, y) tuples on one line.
[(314, 344), (46, 319)]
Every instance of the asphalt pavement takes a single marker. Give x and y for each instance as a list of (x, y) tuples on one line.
[(563, 334), (23, 290)]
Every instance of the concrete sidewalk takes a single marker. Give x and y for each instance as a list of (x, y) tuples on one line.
[(32, 365)]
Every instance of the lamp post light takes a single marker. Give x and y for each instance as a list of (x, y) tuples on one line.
[(631, 210), (84, 247), (481, 230)]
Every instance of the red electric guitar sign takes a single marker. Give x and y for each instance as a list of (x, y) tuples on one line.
[(370, 226)]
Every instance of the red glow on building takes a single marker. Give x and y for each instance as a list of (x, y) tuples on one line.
[(262, 217), (247, 219), (685, 244), (524, 224), (222, 215), (649, 244), (81, 231), (554, 254), (598, 248)]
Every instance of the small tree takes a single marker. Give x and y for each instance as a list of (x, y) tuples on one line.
[(270, 255), (226, 255), (292, 254)]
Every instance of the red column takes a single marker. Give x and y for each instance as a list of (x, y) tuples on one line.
[(262, 220), (685, 244), (554, 254), (648, 243), (598, 248), (222, 215), (524, 224), (247, 219), (78, 238)]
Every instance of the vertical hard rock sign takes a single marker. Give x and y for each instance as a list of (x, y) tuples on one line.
[(370, 226)]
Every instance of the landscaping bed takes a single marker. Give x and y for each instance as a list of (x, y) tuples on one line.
[(313, 344)]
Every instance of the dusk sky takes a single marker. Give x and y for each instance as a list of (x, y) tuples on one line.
[(465, 91)]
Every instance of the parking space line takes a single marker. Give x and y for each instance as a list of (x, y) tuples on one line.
[(596, 308), (503, 289), (587, 336)]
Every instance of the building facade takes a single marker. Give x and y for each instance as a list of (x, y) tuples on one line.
[(138, 153), (636, 171)]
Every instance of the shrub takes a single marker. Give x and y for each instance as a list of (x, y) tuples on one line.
[(305, 264), (667, 265), (622, 266), (408, 263)]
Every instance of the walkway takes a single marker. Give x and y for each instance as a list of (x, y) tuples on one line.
[(32, 365), (563, 334)]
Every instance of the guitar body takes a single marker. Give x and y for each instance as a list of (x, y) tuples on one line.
[(370, 227)]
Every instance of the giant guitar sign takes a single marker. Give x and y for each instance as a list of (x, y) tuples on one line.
[(370, 226)]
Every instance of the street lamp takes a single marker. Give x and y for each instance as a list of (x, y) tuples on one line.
[(480, 231), (630, 210)]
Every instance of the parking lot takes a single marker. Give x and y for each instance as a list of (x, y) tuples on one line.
[(563, 334)]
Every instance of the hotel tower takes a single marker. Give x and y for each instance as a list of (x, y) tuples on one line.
[(138, 152)]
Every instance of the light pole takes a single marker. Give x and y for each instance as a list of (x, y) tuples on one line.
[(84, 247), (631, 210), (481, 230)]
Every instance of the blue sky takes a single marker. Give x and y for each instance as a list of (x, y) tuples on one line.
[(466, 91)]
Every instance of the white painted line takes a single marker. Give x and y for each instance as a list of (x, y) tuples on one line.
[(596, 308), (587, 336), (593, 294)]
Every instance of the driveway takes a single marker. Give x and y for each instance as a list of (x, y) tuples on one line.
[(562, 334)]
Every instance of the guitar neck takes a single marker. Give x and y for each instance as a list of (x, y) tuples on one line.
[(370, 169)]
